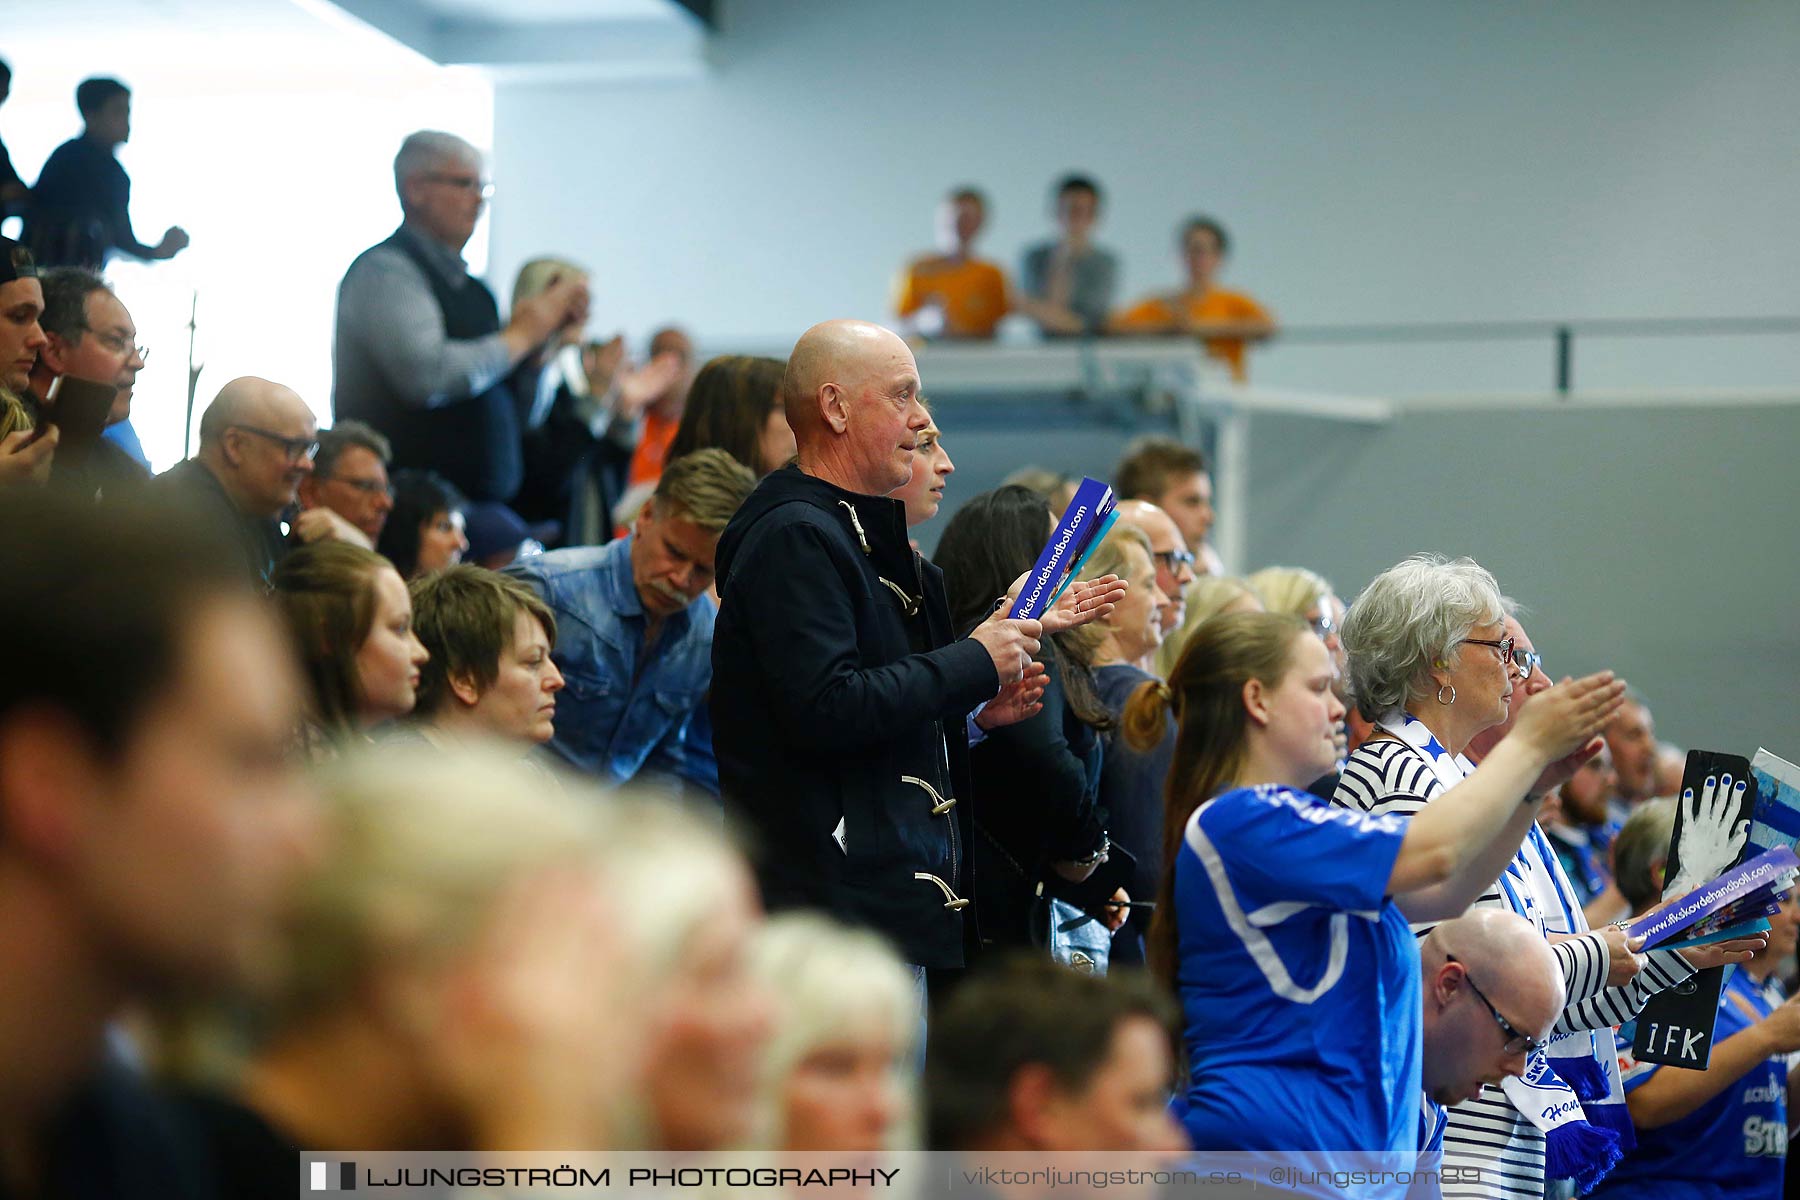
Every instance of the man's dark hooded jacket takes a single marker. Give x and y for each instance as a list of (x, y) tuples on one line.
[(838, 701)]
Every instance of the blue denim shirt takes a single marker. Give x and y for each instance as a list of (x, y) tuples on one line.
[(620, 716)]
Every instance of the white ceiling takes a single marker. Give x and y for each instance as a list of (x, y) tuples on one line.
[(513, 38), (540, 12), (139, 37)]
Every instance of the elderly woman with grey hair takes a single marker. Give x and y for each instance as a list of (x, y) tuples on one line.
[(1432, 666)]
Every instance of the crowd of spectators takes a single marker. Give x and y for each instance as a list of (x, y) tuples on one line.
[(314, 835)]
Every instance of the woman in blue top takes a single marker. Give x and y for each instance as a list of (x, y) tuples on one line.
[(1721, 1132), (1283, 921)]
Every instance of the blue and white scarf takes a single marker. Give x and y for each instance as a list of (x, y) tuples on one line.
[(1571, 1090)]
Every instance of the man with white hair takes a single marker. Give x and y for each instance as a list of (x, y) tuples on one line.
[(420, 351)]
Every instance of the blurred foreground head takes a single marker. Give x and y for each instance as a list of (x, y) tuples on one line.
[(491, 959), (150, 811)]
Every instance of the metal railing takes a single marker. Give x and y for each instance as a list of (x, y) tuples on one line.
[(1560, 334)]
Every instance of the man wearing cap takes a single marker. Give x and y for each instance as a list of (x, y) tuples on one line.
[(498, 535), (22, 458)]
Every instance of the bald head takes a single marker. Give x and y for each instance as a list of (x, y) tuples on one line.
[(1498, 955), (1157, 525), (248, 400), (1174, 566), (851, 392), (257, 437)]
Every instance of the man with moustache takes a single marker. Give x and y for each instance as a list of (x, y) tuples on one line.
[(635, 629), (90, 335)]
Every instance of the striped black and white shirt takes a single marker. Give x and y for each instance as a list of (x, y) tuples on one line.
[(1487, 1135)]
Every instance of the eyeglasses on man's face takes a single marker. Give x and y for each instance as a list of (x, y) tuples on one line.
[(119, 344), (297, 449), (1504, 646), (1517, 1042), (368, 487), (1173, 560), (464, 183), (1527, 662)]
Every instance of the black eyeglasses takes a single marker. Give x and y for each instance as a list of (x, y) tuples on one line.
[(1527, 661), (1516, 1042), (1322, 624), (1173, 560), (1504, 646), (296, 448)]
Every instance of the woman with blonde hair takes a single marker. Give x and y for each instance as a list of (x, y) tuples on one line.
[(481, 963), (450, 979), (839, 1071), (1297, 591), (34, 467), (1207, 597), (1282, 922)]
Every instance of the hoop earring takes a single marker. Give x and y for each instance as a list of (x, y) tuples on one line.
[(1440, 694)]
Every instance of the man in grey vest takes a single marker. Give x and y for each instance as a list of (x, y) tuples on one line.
[(420, 351)]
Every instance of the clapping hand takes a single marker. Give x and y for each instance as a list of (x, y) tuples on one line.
[(1018, 700), (642, 386), (1080, 602)]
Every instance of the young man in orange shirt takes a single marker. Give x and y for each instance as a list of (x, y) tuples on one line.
[(1226, 320), (966, 295)]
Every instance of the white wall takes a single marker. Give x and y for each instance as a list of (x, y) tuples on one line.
[(1404, 160), (273, 147)]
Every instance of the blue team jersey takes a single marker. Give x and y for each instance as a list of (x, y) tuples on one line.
[(1299, 979), (1733, 1146)]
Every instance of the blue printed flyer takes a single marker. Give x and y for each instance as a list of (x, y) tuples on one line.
[(1084, 523)]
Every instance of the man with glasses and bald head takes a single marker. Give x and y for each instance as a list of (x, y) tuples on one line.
[(421, 353), (257, 441), (1493, 991)]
